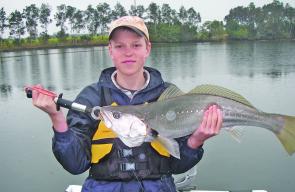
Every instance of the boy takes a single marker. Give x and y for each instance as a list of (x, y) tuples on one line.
[(81, 143)]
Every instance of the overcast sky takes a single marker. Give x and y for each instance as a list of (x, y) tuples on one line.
[(209, 9)]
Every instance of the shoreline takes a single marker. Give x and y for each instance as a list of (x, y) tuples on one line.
[(19, 48), (68, 45)]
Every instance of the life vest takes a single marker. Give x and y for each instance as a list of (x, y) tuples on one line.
[(111, 159)]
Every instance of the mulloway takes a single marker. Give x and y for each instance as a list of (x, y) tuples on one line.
[(176, 115)]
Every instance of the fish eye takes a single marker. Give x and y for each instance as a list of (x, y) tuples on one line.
[(116, 115)]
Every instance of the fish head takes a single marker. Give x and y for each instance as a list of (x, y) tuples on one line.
[(129, 128)]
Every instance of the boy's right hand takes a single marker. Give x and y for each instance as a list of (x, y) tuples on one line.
[(46, 104)]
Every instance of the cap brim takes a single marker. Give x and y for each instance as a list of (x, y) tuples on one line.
[(137, 31)]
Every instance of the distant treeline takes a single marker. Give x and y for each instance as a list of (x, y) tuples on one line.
[(83, 27)]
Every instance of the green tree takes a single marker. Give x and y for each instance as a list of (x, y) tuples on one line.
[(133, 10), (166, 33), (118, 11), (182, 15), (3, 24), (92, 20), (290, 20), (216, 30), (166, 12), (236, 31), (31, 14), (252, 14), (153, 13), (16, 25), (137, 10), (237, 14), (44, 18), (260, 21), (274, 16), (243, 20), (61, 18), (70, 12), (194, 18), (104, 15), (175, 18), (78, 21)]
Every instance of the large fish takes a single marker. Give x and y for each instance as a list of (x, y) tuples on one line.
[(176, 115)]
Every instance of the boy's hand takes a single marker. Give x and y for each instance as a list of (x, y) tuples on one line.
[(46, 104), (210, 126)]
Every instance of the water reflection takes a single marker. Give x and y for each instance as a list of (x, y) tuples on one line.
[(175, 60), (260, 71), (5, 90), (73, 68), (269, 58), (57, 69)]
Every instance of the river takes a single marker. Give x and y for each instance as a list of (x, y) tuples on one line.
[(263, 72)]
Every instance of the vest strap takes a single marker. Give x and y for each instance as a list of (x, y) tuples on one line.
[(127, 166), (131, 166)]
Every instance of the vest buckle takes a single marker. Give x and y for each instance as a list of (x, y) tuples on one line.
[(125, 152), (127, 166)]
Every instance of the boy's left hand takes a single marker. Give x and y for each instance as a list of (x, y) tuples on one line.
[(210, 126)]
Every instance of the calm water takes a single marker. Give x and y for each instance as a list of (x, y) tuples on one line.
[(263, 72)]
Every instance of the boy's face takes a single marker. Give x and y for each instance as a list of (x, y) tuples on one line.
[(128, 52)]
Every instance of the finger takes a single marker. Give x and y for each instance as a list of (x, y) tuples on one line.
[(38, 85), (214, 118), (43, 99), (203, 123), (46, 100), (205, 120), (209, 120), (35, 96), (219, 121)]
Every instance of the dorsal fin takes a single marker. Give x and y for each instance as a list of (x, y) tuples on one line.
[(220, 91), (171, 91)]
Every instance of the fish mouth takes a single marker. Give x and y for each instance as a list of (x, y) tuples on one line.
[(105, 118)]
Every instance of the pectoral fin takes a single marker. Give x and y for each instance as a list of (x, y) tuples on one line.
[(171, 145), (235, 132)]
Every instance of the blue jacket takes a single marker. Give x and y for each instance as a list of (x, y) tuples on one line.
[(72, 148)]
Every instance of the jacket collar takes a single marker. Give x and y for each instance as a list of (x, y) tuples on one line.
[(155, 78)]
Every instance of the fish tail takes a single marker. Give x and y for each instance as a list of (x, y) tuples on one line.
[(287, 134)]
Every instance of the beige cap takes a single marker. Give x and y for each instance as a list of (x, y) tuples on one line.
[(135, 23)]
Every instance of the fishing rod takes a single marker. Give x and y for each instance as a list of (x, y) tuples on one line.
[(60, 102)]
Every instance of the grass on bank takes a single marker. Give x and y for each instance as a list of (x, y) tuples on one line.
[(52, 42)]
